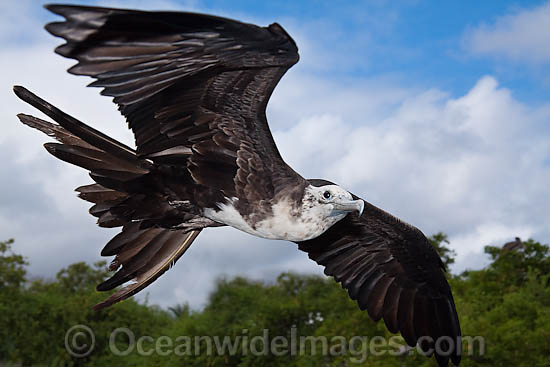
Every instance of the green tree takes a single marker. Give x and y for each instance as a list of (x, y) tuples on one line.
[(46, 310), (447, 254), (180, 310), (80, 277), (508, 304), (12, 267), (12, 279)]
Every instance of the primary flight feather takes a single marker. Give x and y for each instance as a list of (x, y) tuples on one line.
[(194, 90)]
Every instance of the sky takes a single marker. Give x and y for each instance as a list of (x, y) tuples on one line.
[(438, 112)]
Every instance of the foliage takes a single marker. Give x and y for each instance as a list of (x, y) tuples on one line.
[(507, 303), (12, 278), (180, 310), (12, 267), (447, 254)]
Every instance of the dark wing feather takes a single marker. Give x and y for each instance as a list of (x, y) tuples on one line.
[(393, 272), (174, 246), (193, 88)]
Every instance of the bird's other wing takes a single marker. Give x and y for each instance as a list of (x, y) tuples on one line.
[(192, 87), (394, 273)]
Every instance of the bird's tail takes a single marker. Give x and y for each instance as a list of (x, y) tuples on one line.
[(142, 252), (107, 159)]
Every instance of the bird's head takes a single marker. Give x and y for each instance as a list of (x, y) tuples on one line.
[(333, 201)]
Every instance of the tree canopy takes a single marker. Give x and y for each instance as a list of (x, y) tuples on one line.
[(295, 320)]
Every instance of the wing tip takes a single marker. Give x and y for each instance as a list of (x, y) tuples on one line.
[(22, 92), (120, 295), (65, 9), (107, 302), (278, 29), (99, 306), (52, 148), (53, 7), (26, 119)]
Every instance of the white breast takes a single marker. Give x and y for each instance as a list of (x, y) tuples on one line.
[(284, 224)]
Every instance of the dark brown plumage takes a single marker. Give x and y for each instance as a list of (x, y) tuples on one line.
[(194, 89)]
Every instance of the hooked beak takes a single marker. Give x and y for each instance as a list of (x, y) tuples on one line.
[(350, 205)]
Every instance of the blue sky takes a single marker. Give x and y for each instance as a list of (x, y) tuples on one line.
[(436, 111)]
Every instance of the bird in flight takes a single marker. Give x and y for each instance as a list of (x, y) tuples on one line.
[(194, 90)]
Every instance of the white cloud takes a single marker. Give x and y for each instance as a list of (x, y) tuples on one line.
[(520, 36), (456, 165)]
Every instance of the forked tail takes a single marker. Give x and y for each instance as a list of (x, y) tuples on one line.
[(122, 198)]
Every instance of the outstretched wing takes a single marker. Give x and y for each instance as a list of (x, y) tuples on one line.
[(193, 88), (394, 273)]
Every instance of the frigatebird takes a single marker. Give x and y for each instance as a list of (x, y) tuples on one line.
[(194, 90)]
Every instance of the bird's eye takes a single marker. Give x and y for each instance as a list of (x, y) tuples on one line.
[(327, 195)]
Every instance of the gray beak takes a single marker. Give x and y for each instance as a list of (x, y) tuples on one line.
[(350, 205)]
